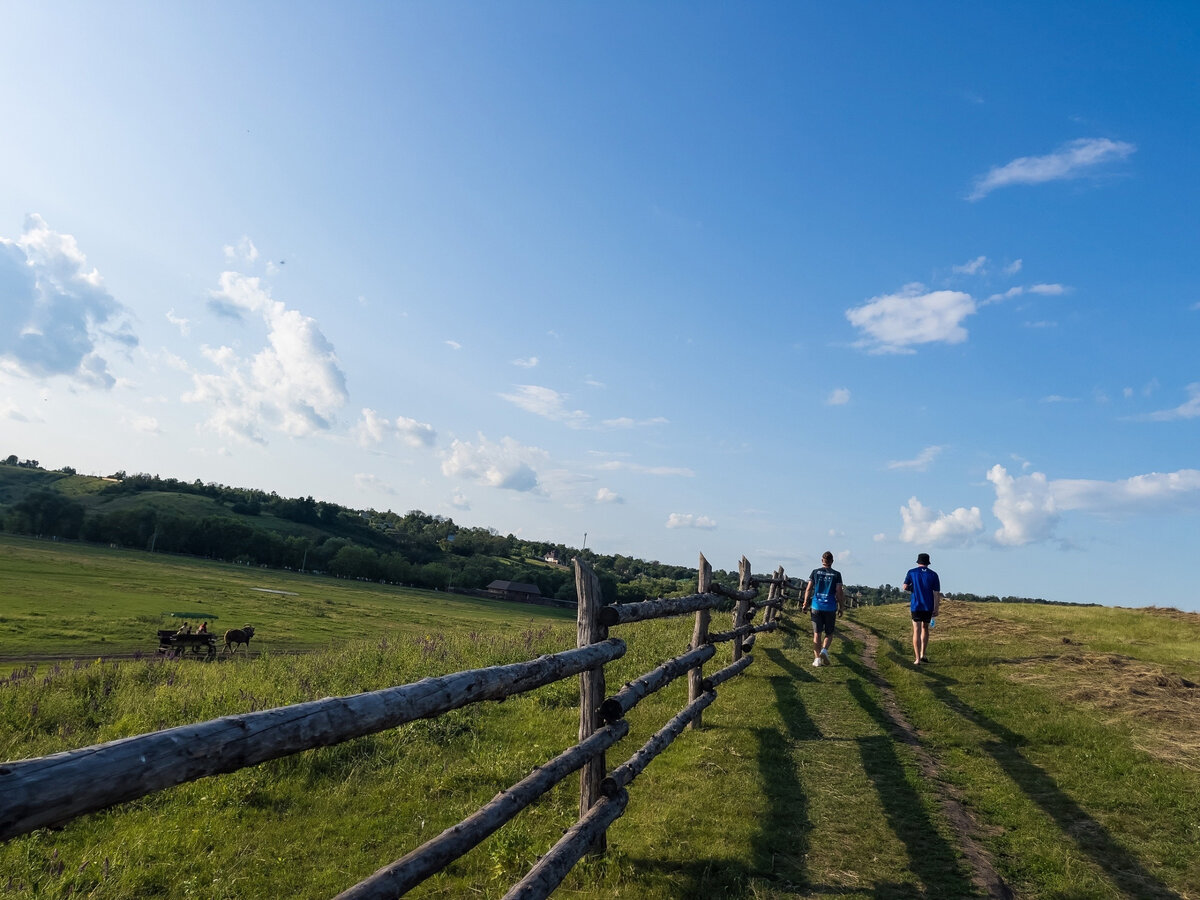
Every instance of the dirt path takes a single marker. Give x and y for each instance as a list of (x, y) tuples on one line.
[(966, 829)]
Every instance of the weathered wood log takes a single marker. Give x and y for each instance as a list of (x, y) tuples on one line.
[(741, 614), (616, 706), (434, 855), (721, 637), (623, 774), (699, 637), (589, 631), (716, 678), (552, 868), (748, 594), (625, 613), (748, 644), (54, 789)]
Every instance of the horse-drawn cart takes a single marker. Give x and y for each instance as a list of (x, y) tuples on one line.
[(172, 643)]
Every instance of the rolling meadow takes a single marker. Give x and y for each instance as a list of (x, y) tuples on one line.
[(1053, 747)]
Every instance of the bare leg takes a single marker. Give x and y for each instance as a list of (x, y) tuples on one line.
[(816, 644), (917, 648)]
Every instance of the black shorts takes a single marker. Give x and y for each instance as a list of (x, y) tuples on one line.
[(922, 615), (824, 620)]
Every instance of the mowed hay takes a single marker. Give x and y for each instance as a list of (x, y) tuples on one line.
[(1160, 708)]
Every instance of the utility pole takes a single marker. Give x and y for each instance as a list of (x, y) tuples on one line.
[(584, 547)]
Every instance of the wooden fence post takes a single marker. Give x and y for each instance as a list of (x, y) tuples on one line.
[(699, 639), (591, 688), (742, 610)]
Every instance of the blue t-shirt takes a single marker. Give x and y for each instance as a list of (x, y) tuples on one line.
[(923, 581), (825, 581)]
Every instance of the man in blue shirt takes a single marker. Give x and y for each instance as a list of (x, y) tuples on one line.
[(824, 590), (926, 589)]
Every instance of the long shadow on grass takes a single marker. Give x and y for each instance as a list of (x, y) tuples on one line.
[(930, 856), (1092, 838)]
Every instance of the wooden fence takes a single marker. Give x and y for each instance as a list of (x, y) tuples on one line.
[(52, 790)]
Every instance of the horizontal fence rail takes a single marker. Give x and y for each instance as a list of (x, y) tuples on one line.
[(434, 855), (54, 789)]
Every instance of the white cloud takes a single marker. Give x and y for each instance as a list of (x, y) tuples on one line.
[(507, 464), (604, 495), (184, 326), (144, 424), (1024, 505), (1058, 398), (453, 345), (294, 385), (894, 322), (1072, 160), (57, 312), (614, 465), (1189, 409), (1013, 267), (838, 397), (686, 520), (1049, 290), (1029, 507), (547, 403), (415, 434), (460, 501), (1153, 492), (974, 267), (921, 525), (1006, 295), (624, 422), (920, 463), (373, 428), (526, 363), (879, 538), (244, 252)]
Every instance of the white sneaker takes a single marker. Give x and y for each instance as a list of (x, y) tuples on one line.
[(824, 657), (817, 662)]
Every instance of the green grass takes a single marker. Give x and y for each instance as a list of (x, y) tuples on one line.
[(1081, 792), (793, 787), (68, 600)]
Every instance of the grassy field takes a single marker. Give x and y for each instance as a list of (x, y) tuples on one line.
[(1069, 735), (76, 600)]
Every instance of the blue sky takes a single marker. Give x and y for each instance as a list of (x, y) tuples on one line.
[(757, 278)]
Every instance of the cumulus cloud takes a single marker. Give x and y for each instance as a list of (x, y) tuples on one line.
[(453, 345), (974, 267), (604, 495), (529, 363), (893, 323), (506, 464), (1013, 267), (415, 434), (547, 403), (294, 385), (1024, 505), (920, 463), (687, 520), (374, 429), (1029, 507), (921, 525), (58, 314), (1189, 409), (459, 501), (838, 397), (1072, 160)]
